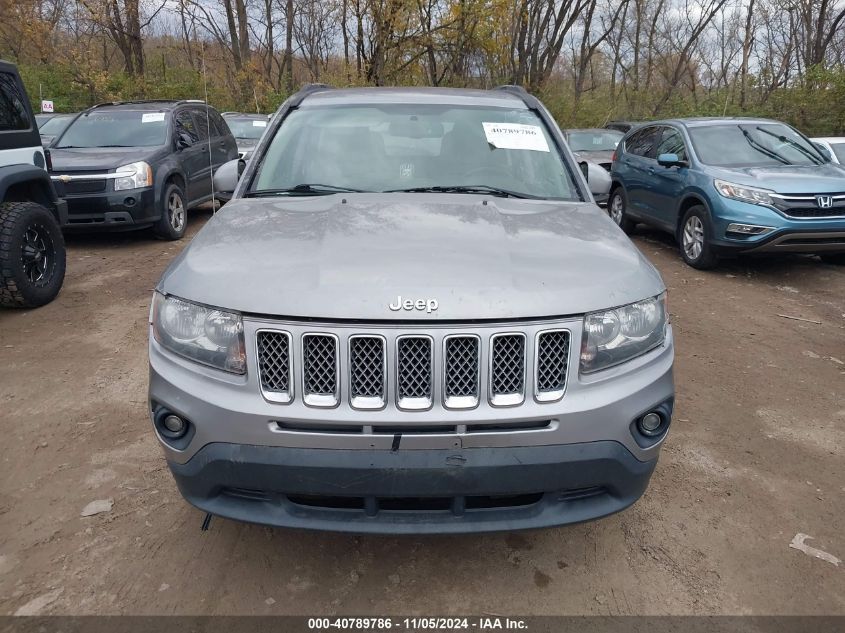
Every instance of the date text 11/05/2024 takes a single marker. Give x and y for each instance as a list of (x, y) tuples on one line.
[(417, 624)]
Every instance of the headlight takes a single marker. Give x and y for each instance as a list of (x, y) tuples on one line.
[(133, 176), (206, 335), (741, 192), (614, 336)]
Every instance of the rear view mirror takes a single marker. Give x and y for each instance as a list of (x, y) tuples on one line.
[(597, 177), (184, 140), (671, 160), (227, 175)]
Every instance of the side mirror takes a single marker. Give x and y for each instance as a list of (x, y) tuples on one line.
[(597, 177), (227, 175), (671, 160), (824, 152), (184, 140)]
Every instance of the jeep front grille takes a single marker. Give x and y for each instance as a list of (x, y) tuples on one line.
[(507, 370), (367, 372), (414, 372), (552, 359), (320, 370), (274, 362), (372, 368), (460, 374)]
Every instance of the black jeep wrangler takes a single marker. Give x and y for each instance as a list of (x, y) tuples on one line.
[(32, 250)]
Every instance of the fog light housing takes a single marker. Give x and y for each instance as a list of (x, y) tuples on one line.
[(651, 424), (748, 229)]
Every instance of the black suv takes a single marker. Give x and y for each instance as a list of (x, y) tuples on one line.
[(138, 164), (32, 251)]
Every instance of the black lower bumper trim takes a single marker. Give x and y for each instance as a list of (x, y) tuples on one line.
[(414, 491)]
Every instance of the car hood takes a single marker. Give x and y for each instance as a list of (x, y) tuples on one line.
[(348, 256), (246, 143), (98, 158), (828, 178)]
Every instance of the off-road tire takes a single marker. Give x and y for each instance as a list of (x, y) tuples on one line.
[(168, 226), (617, 204), (32, 255), (694, 239)]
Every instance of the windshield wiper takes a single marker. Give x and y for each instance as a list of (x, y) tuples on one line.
[(762, 148), (795, 144), (303, 189), (494, 191)]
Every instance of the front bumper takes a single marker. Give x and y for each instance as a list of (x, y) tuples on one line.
[(790, 235), (132, 208), (245, 457), (417, 491)]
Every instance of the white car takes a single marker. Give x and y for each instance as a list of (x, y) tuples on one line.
[(835, 146)]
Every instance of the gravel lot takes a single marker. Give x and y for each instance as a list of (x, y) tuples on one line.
[(756, 455)]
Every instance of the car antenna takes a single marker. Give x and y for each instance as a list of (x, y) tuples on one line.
[(208, 128)]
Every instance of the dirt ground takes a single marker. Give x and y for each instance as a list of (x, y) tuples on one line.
[(756, 455)]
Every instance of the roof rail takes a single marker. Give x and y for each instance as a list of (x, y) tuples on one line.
[(306, 90), (139, 101), (518, 91)]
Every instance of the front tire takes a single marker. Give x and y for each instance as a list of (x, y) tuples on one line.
[(174, 214), (694, 239), (32, 255), (616, 209)]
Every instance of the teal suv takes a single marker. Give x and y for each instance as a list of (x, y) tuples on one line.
[(729, 186)]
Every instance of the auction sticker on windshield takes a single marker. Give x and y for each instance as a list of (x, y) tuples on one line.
[(152, 117), (515, 136)]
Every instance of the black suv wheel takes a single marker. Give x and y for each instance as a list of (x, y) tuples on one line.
[(694, 239), (32, 255), (174, 214)]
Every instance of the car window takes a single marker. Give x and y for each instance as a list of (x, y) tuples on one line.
[(672, 143), (13, 114), (185, 125), (400, 146), (247, 127), (752, 144), (219, 127), (56, 124), (201, 118), (111, 127), (644, 142), (593, 140), (838, 151)]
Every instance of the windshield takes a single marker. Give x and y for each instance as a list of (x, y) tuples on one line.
[(116, 128), (247, 128), (752, 145), (398, 147), (593, 140), (55, 125)]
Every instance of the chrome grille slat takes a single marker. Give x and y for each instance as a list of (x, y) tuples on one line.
[(320, 369), (507, 369), (367, 372), (274, 365), (461, 371), (552, 361), (414, 372)]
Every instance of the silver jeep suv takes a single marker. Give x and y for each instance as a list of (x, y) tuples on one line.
[(411, 317)]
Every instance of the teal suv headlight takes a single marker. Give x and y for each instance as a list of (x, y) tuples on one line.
[(615, 336), (743, 193), (206, 335)]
